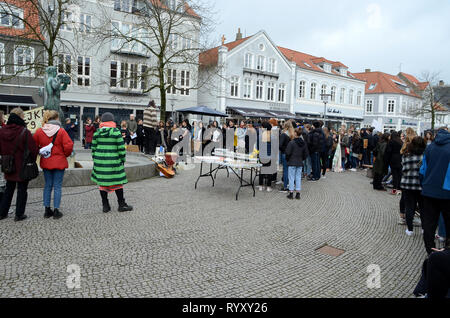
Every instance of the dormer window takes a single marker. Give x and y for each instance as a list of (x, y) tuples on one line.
[(307, 64), (372, 86), (343, 71), (326, 67)]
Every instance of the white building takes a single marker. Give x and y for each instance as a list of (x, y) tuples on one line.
[(258, 79)]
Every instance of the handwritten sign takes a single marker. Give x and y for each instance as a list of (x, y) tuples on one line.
[(33, 118)]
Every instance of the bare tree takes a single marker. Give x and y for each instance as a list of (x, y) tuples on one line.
[(430, 100), (170, 33), (35, 31)]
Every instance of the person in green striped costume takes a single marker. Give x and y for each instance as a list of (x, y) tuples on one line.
[(108, 155)]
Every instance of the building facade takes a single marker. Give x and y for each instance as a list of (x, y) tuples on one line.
[(257, 79), (390, 103)]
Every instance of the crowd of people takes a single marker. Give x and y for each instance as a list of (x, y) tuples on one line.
[(416, 168)]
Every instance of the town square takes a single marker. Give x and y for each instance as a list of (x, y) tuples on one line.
[(190, 149)]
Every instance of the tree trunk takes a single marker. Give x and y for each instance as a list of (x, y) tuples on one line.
[(162, 89)]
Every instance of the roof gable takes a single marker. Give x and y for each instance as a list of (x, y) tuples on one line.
[(385, 83)]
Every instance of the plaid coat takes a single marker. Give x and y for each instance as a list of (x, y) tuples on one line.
[(411, 167)]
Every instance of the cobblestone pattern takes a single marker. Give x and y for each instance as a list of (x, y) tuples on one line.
[(181, 242)]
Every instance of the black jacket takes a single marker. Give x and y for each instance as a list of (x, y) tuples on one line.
[(316, 140), (284, 141), (296, 152), (392, 156)]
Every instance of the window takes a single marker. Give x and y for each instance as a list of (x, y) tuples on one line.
[(323, 91), (350, 97), (67, 21), (248, 88), (391, 106), (144, 77), (121, 32), (172, 81), (272, 66), (372, 87), (64, 64), (24, 60), (85, 23), (358, 99), (302, 89), (282, 93), (248, 60), (313, 90), (260, 65), (84, 71), (173, 41), (185, 82), (114, 74), (259, 90), (342, 97), (234, 86), (369, 106), (271, 92), (11, 16), (2, 58), (333, 94), (133, 76), (123, 5), (187, 43)]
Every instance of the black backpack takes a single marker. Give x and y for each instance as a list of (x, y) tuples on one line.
[(30, 169), (9, 161)]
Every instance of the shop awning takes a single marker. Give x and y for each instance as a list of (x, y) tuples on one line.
[(250, 112), (203, 110), (17, 100), (281, 114)]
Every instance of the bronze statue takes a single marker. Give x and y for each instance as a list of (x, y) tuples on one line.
[(53, 87)]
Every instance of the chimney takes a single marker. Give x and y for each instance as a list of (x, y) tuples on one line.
[(239, 35), (368, 70), (441, 83)]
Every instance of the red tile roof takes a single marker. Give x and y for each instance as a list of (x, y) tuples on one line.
[(211, 56), (384, 83)]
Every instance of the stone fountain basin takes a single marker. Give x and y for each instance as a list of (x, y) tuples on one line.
[(137, 167)]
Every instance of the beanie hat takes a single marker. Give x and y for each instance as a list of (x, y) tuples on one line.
[(107, 117)]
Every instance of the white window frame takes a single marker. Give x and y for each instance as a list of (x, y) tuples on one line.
[(282, 93), (248, 88), (14, 11), (234, 86), (83, 75), (84, 26), (68, 22), (119, 43), (248, 60), (272, 65), (302, 89), (323, 90), (271, 91), (369, 103), (350, 96), (333, 93), (174, 42), (391, 103), (17, 68), (313, 91), (259, 90), (342, 95), (358, 98), (64, 63), (172, 79), (119, 5), (125, 82), (260, 64), (185, 82)]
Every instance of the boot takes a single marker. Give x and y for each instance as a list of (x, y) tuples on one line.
[(291, 196), (57, 215), (297, 196), (123, 206), (48, 213), (105, 202)]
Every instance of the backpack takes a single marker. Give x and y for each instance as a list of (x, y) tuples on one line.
[(9, 161)]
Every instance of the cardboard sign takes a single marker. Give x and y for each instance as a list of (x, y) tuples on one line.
[(33, 118)]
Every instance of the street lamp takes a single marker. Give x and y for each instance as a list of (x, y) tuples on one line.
[(325, 98)]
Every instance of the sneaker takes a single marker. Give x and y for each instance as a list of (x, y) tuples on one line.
[(402, 221), (393, 192), (409, 233), (279, 182), (269, 189), (20, 218), (261, 188), (297, 196), (417, 222), (323, 177), (283, 190), (125, 207), (353, 170), (313, 180), (290, 196)]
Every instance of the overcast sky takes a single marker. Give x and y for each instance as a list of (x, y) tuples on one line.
[(376, 34)]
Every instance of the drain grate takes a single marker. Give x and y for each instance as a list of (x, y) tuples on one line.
[(330, 250)]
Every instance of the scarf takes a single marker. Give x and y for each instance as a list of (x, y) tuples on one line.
[(15, 119)]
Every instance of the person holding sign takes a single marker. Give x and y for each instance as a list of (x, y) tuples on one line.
[(55, 146)]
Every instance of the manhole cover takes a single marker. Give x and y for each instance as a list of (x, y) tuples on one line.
[(330, 250)]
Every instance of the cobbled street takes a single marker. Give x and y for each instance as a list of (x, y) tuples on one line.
[(182, 242)]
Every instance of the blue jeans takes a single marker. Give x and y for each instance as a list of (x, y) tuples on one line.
[(285, 170), (442, 227), (315, 163), (295, 178), (307, 166), (53, 180)]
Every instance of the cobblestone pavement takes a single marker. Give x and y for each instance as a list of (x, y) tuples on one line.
[(182, 242)]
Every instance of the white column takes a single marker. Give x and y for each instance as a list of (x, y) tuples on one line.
[(293, 85), (222, 64)]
